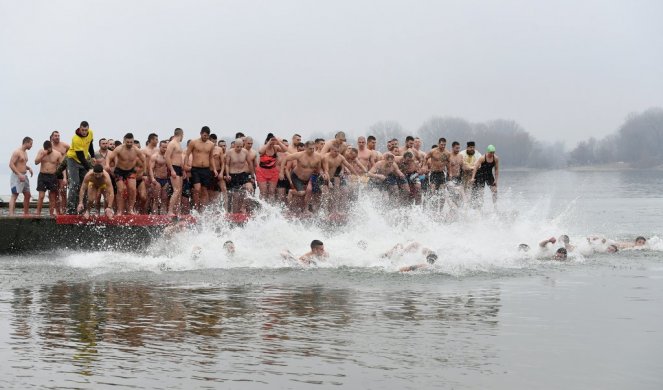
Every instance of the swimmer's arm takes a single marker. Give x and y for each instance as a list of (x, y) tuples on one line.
[(169, 158), (39, 157), (110, 196), (412, 267), (212, 161), (252, 168), (474, 169), (398, 171), (545, 242), (12, 164), (497, 169), (372, 171), (111, 157), (289, 157), (347, 166), (84, 185)]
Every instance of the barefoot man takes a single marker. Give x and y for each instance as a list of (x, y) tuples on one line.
[(175, 160), (162, 179), (63, 148), (203, 167), (308, 162), (237, 161), (18, 163), (125, 157), (96, 182), (47, 180)]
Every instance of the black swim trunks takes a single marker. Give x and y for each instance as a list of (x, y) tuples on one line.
[(178, 170), (124, 175), (283, 184), (202, 176), (437, 178), (481, 181), (47, 182), (237, 180)]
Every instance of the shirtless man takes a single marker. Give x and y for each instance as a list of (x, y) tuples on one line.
[(411, 169), (125, 157), (47, 179), (308, 162), (203, 167), (386, 174), (175, 160), (20, 184), (237, 159), (282, 186), (61, 172), (339, 140), (103, 149), (219, 156), (454, 179), (482, 175), (333, 164), (371, 143), (96, 182), (296, 139), (365, 155), (317, 253), (151, 149), (437, 161), (162, 180), (319, 144)]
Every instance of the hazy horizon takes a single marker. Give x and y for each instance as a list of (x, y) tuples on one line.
[(564, 70)]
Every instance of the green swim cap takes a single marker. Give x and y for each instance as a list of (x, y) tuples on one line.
[(490, 148)]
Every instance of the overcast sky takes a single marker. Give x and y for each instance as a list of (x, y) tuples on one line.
[(565, 70)]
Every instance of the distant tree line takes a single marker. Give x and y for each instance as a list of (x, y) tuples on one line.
[(638, 142)]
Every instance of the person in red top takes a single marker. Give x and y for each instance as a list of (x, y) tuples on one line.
[(267, 172)]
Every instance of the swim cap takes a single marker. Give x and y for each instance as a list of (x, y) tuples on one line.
[(490, 148)]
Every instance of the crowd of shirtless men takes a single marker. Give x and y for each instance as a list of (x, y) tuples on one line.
[(169, 177)]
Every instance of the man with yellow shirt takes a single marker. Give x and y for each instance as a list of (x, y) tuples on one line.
[(77, 163)]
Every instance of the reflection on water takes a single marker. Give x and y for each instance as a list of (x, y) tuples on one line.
[(113, 331)]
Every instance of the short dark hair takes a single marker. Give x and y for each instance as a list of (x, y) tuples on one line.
[(151, 137), (47, 145), (562, 251), (213, 136), (26, 140), (442, 139), (409, 138), (455, 143), (471, 143), (319, 140), (163, 141), (84, 124), (136, 142), (308, 143), (614, 247), (316, 243), (178, 131), (102, 139), (371, 138), (565, 238), (118, 143), (640, 238), (98, 168), (296, 135), (431, 257), (205, 130), (239, 134), (128, 136), (408, 155), (53, 133), (340, 134)]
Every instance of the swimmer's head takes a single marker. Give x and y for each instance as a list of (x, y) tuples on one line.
[(317, 247), (361, 244), (612, 248), (561, 254), (490, 149), (431, 257), (229, 246), (523, 248), (565, 239), (640, 241)]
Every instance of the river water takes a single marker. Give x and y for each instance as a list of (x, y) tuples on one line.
[(187, 315)]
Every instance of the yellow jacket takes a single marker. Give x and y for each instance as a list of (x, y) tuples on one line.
[(80, 144)]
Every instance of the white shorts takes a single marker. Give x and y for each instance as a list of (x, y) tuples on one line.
[(19, 187)]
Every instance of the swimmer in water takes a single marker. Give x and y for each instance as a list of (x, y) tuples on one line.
[(640, 243), (559, 254), (229, 247), (317, 253), (431, 257)]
